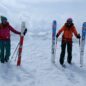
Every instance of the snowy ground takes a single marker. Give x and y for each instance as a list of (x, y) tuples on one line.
[(37, 69)]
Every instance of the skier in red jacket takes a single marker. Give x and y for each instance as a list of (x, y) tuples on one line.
[(5, 29), (68, 30)]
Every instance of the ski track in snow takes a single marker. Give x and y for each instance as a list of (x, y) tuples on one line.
[(37, 69)]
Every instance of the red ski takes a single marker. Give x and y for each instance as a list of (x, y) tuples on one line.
[(23, 32)]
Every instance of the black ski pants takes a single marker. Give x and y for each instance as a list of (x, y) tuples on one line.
[(69, 51)]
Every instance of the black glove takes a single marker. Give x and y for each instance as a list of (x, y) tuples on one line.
[(57, 35), (78, 36), (25, 31)]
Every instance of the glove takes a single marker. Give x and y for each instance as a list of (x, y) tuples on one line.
[(78, 36), (57, 36), (25, 31)]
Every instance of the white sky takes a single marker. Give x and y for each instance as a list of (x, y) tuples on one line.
[(35, 1), (45, 9)]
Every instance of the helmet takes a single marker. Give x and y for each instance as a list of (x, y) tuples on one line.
[(69, 23), (3, 18), (69, 20)]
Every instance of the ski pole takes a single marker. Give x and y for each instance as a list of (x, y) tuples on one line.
[(16, 56), (56, 42), (15, 51), (79, 42)]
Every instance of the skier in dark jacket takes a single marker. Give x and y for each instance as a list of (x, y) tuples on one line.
[(5, 29), (68, 29)]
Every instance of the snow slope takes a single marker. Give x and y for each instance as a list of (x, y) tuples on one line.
[(37, 69)]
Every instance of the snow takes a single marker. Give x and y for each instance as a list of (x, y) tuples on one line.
[(36, 68)]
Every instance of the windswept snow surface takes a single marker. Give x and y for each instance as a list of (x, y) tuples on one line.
[(36, 68)]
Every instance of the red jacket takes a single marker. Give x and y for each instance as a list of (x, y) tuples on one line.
[(67, 33), (5, 31)]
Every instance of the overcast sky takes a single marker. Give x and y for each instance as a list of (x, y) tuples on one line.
[(45, 9), (56, 8)]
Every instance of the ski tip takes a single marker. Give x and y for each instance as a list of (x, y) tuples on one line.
[(84, 24), (54, 22)]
